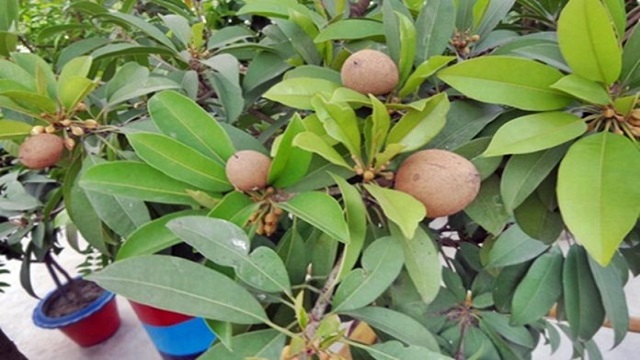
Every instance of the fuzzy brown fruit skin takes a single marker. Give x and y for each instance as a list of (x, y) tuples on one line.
[(370, 72), (41, 151), (248, 170), (443, 181)]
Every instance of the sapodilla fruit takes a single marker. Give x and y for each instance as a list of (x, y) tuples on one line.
[(248, 170), (443, 181), (41, 151), (370, 72)]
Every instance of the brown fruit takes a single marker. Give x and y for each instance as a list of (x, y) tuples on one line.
[(248, 170), (370, 72), (443, 181), (41, 151)]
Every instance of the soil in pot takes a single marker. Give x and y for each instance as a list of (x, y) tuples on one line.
[(72, 297)]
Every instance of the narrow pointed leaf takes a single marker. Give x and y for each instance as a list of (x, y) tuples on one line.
[(350, 29), (423, 72), (597, 192), (357, 222), (417, 128), (434, 27), (180, 161), (298, 92), (311, 142), (538, 290), (136, 180), (261, 344), (290, 163), (182, 286), (340, 122), (514, 247), (381, 264), (535, 132), (394, 350), (521, 83)]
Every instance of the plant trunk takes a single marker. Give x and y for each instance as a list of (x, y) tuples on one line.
[(9, 350)]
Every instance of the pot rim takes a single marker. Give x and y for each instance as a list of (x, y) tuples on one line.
[(46, 322)]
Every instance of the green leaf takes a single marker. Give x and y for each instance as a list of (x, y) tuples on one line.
[(583, 89), (315, 72), (44, 77), (198, 130), (434, 27), (356, 213), (291, 249), (10, 15), (10, 129), (630, 74), (340, 122), (298, 92), (264, 67), (521, 83), (231, 208), (618, 14), (260, 344), (226, 83), (391, 29), (13, 72), (152, 237), (228, 35), (401, 208), (505, 285), (227, 244), (611, 290), (416, 128), (421, 258), (539, 290), (535, 132), (488, 209), (180, 162), (397, 325), (182, 286), (123, 178), (394, 350), (376, 129), (422, 72), (582, 299), (381, 264), (597, 192), (407, 46), (524, 173), (500, 323), (139, 23), (320, 210), (179, 27), (492, 15), (465, 120), (538, 221), (138, 89), (350, 29), (309, 141), (589, 42), (117, 50), (514, 247)]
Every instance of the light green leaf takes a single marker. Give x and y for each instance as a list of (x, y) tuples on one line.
[(320, 210), (397, 325), (180, 161), (421, 259), (309, 141), (10, 129), (514, 247), (298, 92), (182, 286), (182, 119), (260, 344), (539, 290), (402, 209), (152, 237), (407, 46), (356, 213), (521, 83), (583, 89), (523, 173), (376, 128), (340, 122), (416, 128), (535, 132), (582, 300), (597, 192), (422, 72), (350, 29), (630, 75), (588, 41), (381, 264), (227, 244), (500, 323), (136, 180)]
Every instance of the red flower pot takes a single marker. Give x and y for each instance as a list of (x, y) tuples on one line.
[(89, 326)]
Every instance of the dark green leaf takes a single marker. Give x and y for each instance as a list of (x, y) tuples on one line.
[(537, 221), (487, 209), (434, 26)]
